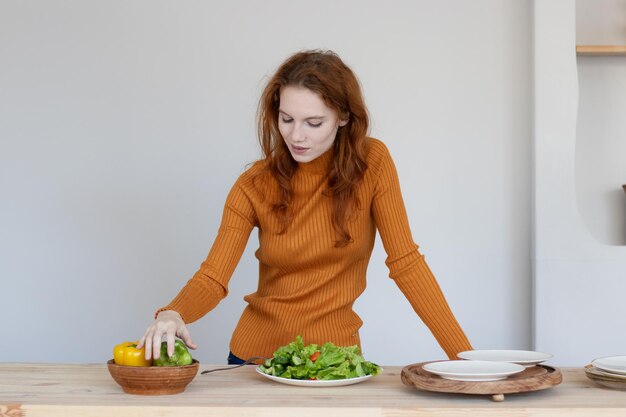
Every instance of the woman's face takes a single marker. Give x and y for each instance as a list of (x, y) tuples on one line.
[(307, 125)]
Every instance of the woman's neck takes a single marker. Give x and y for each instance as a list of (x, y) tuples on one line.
[(319, 165)]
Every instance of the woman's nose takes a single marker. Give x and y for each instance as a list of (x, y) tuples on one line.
[(297, 134)]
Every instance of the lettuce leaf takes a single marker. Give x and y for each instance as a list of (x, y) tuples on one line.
[(333, 362)]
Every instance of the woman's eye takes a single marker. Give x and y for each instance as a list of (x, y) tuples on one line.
[(312, 124), (286, 120)]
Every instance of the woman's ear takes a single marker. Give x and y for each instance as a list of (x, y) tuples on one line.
[(342, 123)]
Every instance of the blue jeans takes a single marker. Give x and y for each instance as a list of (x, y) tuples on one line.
[(234, 360)]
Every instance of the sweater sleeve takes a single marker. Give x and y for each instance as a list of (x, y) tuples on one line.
[(209, 285), (407, 266)]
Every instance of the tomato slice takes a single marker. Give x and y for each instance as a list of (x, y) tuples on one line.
[(314, 356)]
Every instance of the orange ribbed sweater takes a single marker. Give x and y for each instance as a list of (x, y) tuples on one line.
[(307, 286)]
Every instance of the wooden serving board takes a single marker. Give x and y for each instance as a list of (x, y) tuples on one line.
[(534, 378)]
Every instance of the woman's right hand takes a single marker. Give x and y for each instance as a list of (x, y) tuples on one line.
[(170, 324)]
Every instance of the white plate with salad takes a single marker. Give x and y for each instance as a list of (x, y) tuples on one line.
[(314, 365), (315, 383)]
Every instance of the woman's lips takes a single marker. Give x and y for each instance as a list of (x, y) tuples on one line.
[(299, 150)]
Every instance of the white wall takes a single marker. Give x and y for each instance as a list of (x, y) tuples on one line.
[(601, 126), (579, 280), (124, 123)]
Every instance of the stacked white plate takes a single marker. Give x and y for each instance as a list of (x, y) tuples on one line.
[(473, 371), (486, 365), (525, 358), (612, 365), (609, 371)]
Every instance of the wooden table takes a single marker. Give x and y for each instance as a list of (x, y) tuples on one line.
[(55, 390)]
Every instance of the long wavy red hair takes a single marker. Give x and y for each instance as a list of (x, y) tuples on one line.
[(324, 73)]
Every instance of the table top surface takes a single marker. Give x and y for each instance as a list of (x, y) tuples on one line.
[(45, 387)]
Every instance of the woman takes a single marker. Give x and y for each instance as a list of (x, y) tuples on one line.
[(317, 198)]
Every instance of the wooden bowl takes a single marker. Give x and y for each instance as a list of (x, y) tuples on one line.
[(153, 380)]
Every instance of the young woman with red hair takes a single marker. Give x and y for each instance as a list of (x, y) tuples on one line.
[(317, 197)]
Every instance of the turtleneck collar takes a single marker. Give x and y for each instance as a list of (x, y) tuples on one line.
[(319, 165)]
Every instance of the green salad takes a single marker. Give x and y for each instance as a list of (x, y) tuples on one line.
[(325, 362)]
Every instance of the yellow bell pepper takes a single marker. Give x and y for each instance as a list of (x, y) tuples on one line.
[(127, 354)]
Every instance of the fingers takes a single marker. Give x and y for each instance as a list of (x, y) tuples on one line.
[(146, 341), (186, 337), (156, 343), (170, 325), (171, 339)]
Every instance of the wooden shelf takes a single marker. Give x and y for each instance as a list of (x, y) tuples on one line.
[(601, 50)]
